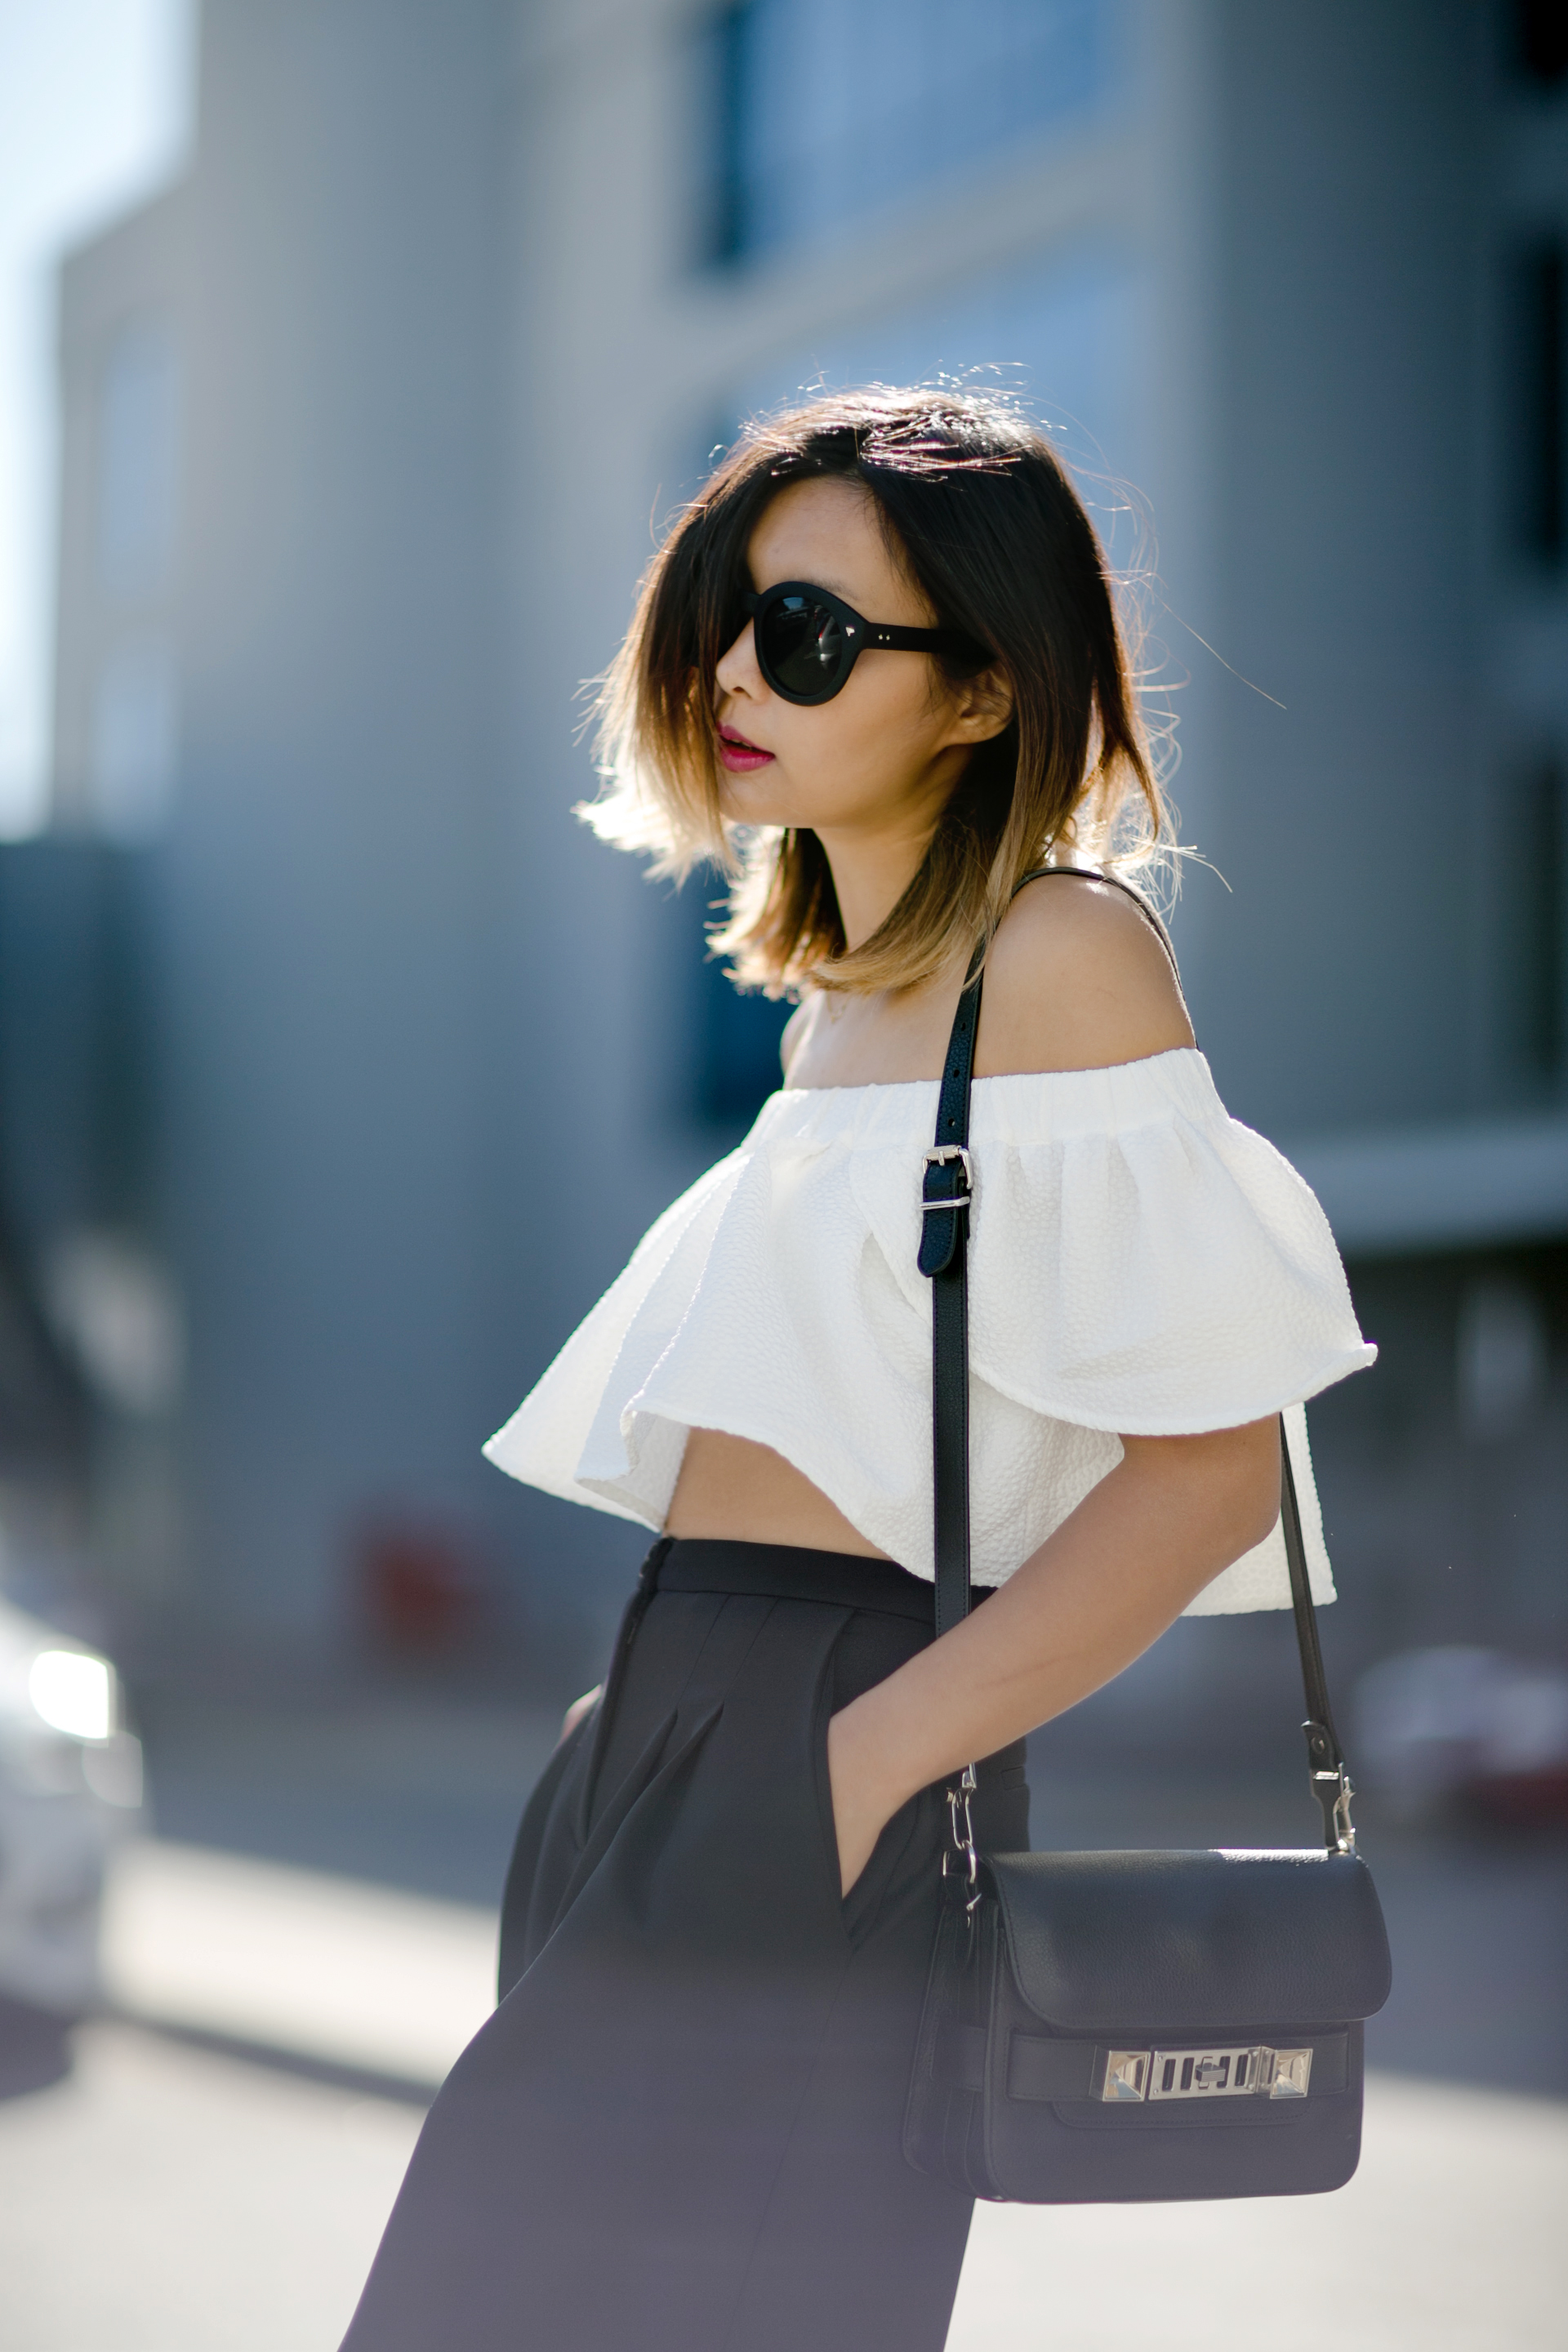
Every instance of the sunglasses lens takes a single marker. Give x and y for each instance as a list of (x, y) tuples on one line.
[(802, 646)]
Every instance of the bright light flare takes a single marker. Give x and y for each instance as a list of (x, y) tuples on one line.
[(72, 1693)]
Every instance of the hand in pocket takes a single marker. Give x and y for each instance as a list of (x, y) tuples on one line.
[(862, 1806), (578, 1709)]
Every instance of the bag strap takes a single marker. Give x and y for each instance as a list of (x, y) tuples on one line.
[(947, 1192), (1327, 1771)]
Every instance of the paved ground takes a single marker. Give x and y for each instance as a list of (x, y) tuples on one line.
[(324, 1968), (212, 2174), (172, 2200)]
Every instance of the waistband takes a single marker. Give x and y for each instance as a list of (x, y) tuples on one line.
[(790, 1572)]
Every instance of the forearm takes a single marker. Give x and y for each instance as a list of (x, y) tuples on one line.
[(1173, 1514)]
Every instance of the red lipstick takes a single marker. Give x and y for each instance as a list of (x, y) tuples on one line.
[(739, 756)]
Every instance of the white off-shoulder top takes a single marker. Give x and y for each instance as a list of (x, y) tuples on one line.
[(1139, 1262)]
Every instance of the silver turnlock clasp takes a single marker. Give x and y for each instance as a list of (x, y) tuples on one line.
[(1252, 2071)]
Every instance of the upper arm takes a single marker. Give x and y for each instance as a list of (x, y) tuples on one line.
[(1076, 979), (1225, 1479)]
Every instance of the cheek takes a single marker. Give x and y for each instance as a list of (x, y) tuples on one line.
[(844, 746), (889, 722)]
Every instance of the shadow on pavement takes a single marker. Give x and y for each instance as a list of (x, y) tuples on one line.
[(364, 2082)]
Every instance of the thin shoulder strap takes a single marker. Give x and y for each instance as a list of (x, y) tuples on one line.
[(1094, 874), (947, 1191)]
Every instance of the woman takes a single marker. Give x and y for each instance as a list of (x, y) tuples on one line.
[(880, 653)]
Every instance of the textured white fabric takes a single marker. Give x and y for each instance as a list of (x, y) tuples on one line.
[(1139, 1262)]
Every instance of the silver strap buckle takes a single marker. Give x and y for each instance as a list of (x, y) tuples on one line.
[(939, 1156)]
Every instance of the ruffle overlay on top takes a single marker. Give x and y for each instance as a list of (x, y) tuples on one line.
[(1138, 1263)]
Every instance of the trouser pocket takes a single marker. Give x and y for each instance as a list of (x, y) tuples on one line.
[(891, 1860)]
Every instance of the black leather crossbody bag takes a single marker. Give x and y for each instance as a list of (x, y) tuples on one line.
[(1114, 2028)]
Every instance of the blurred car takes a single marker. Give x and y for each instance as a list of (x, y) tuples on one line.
[(1470, 1726), (70, 1787)]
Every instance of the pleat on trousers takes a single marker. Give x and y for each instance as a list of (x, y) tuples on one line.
[(681, 2131)]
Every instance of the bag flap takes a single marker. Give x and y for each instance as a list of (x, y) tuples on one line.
[(1200, 1940)]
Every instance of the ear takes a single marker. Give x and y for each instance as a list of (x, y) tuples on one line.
[(982, 705)]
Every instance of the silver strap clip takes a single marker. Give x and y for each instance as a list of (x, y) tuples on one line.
[(960, 1860)]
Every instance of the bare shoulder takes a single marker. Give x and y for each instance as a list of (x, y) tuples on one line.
[(1078, 979)]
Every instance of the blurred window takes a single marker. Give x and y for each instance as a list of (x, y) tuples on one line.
[(137, 431), (76, 1137), (823, 110), (1541, 41), (1538, 917), (1503, 1355), (1538, 376)]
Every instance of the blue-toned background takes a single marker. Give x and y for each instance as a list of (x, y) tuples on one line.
[(353, 353)]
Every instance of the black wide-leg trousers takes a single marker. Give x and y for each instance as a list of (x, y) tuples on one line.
[(681, 2129)]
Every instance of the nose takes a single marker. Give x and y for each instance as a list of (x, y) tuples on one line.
[(737, 671)]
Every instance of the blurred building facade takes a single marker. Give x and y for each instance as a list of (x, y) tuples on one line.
[(369, 426)]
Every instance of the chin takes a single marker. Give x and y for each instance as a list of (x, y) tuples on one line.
[(756, 800)]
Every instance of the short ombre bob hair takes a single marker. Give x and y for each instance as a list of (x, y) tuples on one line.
[(981, 514)]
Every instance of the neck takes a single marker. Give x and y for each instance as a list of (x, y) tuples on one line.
[(869, 881), (873, 867)]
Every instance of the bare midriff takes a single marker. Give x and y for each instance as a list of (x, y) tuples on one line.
[(740, 1492)]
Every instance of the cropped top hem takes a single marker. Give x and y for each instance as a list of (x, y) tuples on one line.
[(1141, 1264), (1248, 1404)]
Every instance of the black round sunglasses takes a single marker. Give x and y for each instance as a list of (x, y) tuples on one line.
[(808, 640)]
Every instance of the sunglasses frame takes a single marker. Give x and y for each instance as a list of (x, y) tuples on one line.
[(858, 635)]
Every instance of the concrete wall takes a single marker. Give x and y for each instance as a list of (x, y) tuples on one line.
[(330, 872)]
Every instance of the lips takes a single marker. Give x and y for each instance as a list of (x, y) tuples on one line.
[(739, 756)]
